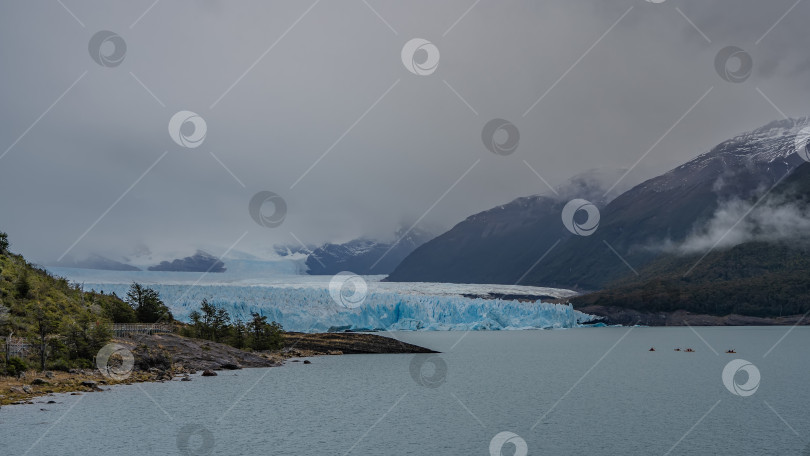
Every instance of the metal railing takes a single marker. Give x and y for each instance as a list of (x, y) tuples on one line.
[(123, 329), (16, 347)]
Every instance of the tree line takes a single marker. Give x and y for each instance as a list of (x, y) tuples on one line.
[(214, 323)]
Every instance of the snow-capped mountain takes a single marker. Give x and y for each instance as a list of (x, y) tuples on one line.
[(505, 244), (770, 148), (366, 256)]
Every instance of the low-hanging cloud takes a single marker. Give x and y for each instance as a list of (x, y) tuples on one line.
[(738, 221), (274, 110)]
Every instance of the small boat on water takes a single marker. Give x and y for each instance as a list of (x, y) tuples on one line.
[(652, 349), (731, 351), (677, 349), (689, 350)]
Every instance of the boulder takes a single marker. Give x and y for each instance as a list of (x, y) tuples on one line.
[(91, 384), (162, 375), (48, 374), (306, 361), (209, 373), (39, 381), (230, 366), (27, 389), (16, 390)]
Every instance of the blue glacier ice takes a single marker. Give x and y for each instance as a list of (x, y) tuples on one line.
[(312, 309)]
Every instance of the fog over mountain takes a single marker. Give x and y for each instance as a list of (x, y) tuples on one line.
[(312, 101)]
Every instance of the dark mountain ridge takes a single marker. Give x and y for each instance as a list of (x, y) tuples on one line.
[(501, 245), (754, 277), (199, 262)]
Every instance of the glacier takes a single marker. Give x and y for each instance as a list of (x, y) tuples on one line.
[(303, 303), (314, 310)]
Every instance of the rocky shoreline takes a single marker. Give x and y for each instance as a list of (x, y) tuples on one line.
[(167, 357), (629, 317)]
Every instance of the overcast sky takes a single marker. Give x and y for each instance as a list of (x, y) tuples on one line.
[(281, 83)]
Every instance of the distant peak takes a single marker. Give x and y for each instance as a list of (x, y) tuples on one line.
[(201, 261)]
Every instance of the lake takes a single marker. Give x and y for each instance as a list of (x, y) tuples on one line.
[(576, 391)]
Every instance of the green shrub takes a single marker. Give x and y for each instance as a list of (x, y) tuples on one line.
[(60, 364), (15, 366), (64, 364), (117, 310), (22, 286), (265, 336)]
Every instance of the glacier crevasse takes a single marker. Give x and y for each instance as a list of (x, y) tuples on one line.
[(313, 310)]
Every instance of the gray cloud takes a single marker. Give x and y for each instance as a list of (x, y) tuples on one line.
[(737, 221), (311, 88)]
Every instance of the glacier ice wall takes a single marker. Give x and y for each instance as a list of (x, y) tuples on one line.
[(313, 310)]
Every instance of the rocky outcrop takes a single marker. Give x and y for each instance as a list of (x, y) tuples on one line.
[(188, 355), (347, 343), (165, 357)]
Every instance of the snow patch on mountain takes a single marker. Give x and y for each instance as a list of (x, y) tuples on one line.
[(773, 145)]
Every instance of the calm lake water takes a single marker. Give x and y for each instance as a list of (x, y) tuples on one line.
[(582, 391)]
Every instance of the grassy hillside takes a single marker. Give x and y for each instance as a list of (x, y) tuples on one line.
[(46, 311)]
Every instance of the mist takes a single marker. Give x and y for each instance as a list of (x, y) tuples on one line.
[(312, 102)]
